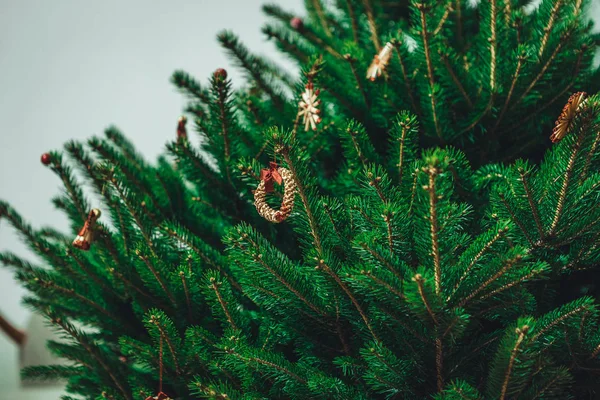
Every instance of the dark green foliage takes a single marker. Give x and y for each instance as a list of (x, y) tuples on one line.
[(439, 246)]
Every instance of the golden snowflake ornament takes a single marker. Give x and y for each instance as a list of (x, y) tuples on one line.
[(380, 61), (309, 110)]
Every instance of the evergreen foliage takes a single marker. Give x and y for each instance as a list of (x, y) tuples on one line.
[(440, 246)]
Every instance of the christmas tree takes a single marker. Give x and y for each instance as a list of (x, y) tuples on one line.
[(412, 217)]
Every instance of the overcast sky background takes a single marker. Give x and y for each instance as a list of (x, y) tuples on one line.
[(70, 68)]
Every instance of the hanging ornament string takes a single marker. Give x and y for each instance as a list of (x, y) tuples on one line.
[(160, 364), (280, 176), (160, 395), (380, 62)]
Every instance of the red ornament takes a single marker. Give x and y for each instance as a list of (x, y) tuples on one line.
[(297, 23), (270, 175), (46, 159), (220, 73), (181, 131)]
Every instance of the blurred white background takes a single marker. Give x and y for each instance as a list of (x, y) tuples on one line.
[(70, 68)]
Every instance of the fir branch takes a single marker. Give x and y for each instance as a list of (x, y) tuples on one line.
[(439, 363), (353, 20), (403, 323), (327, 210), (493, 42), (303, 196), (590, 154), (561, 318), (595, 353), (447, 10), (269, 364), (542, 72), (374, 181), (258, 258), (154, 320), (222, 91), (459, 22), (323, 266), (91, 349), (409, 90), (455, 79), (387, 364), (187, 295), (214, 285), (250, 63), (433, 219), (532, 205), (475, 260), (201, 250), (186, 83), (20, 265), (128, 283), (521, 332), (286, 44), (521, 60), (117, 160), (92, 274), (426, 48), (559, 95), (549, 26), (413, 192), (53, 286), (137, 218), (506, 286), (516, 220), (158, 278), (508, 264), (75, 195), (34, 241), (376, 255), (384, 284), (401, 140), (351, 62), (563, 190), (318, 7), (126, 147), (123, 230), (418, 278), (372, 24)]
